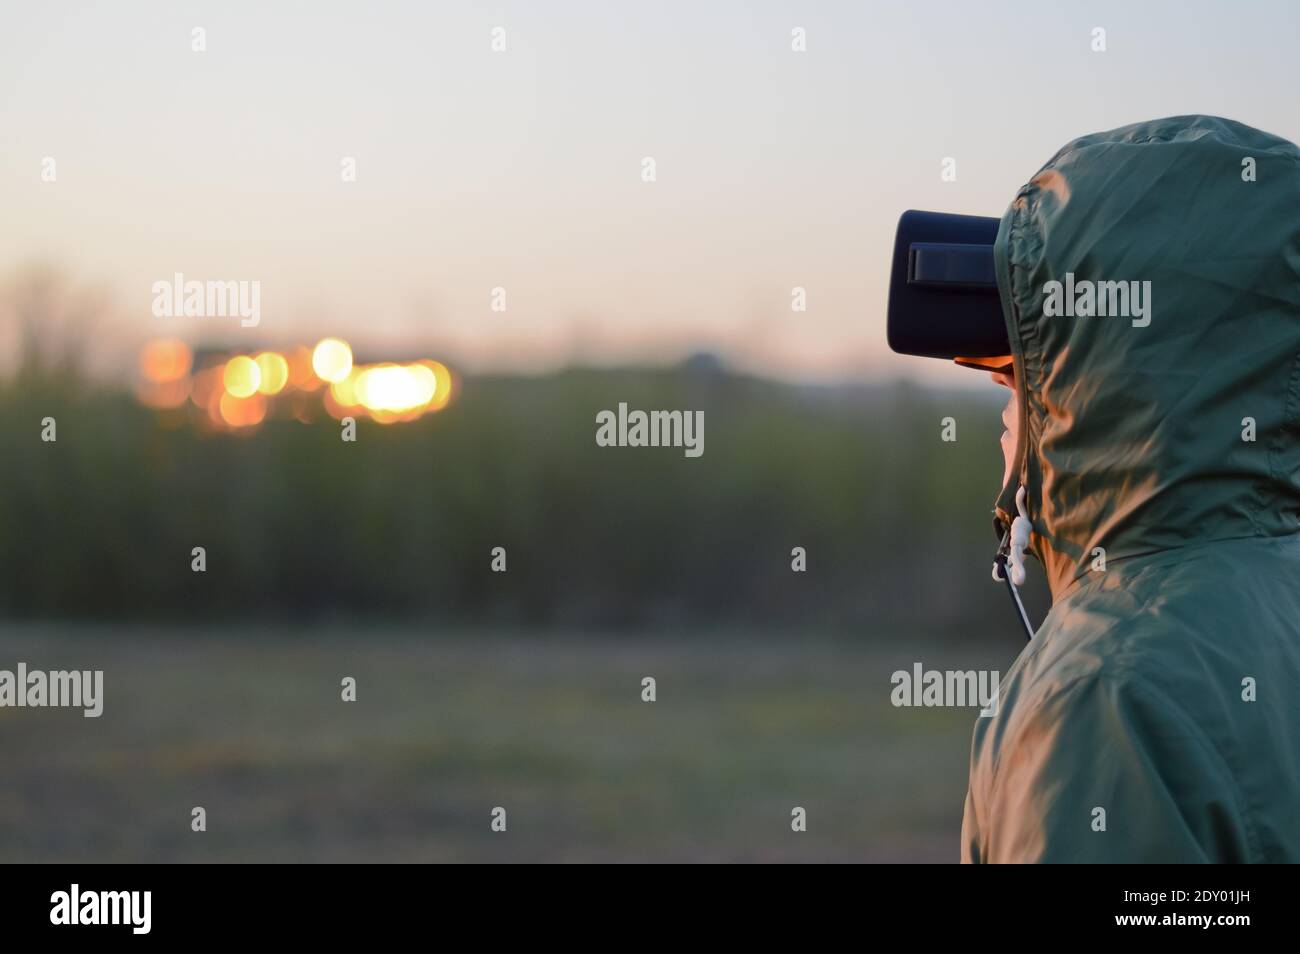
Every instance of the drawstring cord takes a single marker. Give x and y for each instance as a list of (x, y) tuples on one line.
[(1009, 562)]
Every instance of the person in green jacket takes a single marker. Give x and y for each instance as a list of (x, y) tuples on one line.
[(1155, 715)]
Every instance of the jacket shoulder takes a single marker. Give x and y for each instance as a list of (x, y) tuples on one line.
[(1087, 758)]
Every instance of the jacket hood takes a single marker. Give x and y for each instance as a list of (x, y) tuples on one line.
[(1174, 422)]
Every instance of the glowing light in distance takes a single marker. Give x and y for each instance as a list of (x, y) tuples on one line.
[(301, 375), (394, 387), (442, 394), (242, 412), (344, 390), (274, 370), (165, 360), (331, 360), (241, 376)]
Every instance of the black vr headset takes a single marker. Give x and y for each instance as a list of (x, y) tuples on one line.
[(943, 290)]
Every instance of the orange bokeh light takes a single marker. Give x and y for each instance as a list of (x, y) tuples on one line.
[(238, 390), (242, 412), (301, 375), (165, 360), (163, 395)]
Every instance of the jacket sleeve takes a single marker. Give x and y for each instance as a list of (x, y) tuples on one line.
[(1101, 771)]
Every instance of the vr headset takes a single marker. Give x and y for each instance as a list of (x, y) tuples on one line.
[(943, 291)]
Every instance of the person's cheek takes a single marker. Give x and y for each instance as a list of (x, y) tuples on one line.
[(1011, 421)]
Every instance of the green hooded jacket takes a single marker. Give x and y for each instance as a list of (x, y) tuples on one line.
[(1155, 716)]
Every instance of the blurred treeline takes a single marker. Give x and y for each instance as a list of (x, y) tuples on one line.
[(299, 525)]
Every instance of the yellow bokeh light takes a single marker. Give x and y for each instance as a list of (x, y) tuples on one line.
[(395, 388), (442, 393), (274, 371), (331, 360), (424, 383), (235, 391), (165, 360), (241, 376), (344, 390)]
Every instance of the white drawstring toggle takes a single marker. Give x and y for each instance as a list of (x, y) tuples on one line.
[(1021, 528), (1011, 558)]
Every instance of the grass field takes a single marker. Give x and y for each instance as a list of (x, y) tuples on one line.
[(249, 724)]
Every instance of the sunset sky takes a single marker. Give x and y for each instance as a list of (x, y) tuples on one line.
[(522, 169)]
